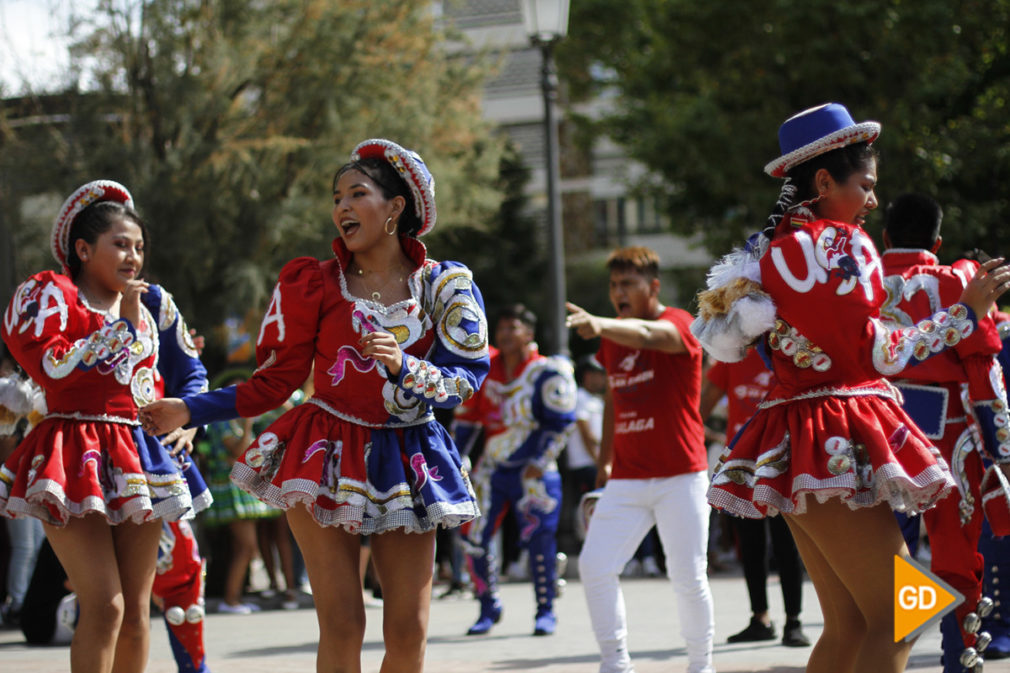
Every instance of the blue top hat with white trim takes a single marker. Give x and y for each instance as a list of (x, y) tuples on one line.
[(815, 131)]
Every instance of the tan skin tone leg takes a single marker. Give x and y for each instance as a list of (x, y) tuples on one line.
[(137, 551), (854, 584), (404, 562), (85, 549), (271, 534), (286, 554), (111, 569), (843, 622), (264, 539), (331, 560), (243, 539)]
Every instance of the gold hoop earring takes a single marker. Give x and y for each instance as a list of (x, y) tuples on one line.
[(385, 227)]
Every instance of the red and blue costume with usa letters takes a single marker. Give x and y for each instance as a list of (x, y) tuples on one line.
[(832, 426)]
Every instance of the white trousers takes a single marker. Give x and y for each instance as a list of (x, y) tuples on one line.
[(627, 509)]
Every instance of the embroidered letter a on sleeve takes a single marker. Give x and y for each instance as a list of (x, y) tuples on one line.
[(51, 303), (274, 315)]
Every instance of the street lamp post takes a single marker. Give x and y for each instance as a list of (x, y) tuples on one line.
[(546, 22)]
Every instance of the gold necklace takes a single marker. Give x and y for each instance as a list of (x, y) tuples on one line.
[(375, 294)]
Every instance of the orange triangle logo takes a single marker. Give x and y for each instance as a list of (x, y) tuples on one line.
[(920, 598)]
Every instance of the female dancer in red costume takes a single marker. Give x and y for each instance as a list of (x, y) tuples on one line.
[(391, 334), (830, 447), (101, 342)]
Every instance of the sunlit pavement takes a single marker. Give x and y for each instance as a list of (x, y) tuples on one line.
[(277, 641)]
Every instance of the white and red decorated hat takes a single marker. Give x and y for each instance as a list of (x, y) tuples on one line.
[(84, 196), (815, 131), (412, 169)]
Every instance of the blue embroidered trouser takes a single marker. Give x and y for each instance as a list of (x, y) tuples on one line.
[(537, 504)]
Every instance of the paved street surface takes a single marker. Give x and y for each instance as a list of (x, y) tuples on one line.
[(277, 641)]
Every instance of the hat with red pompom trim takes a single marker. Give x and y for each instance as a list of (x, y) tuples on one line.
[(820, 129), (412, 169), (84, 196)]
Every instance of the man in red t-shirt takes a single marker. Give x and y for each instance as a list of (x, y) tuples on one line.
[(652, 462)]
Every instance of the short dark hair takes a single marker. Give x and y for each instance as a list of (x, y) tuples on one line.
[(94, 221), (913, 221), (840, 163), (391, 184), (587, 363), (517, 312), (635, 258)]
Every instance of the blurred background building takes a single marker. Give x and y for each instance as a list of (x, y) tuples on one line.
[(601, 207)]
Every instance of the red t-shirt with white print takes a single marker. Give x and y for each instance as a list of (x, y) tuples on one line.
[(657, 425), (746, 383)]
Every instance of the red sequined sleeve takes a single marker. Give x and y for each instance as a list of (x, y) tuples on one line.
[(827, 283), (51, 336)]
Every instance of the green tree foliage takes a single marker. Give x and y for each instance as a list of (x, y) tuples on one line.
[(228, 118), (507, 255), (700, 89)]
